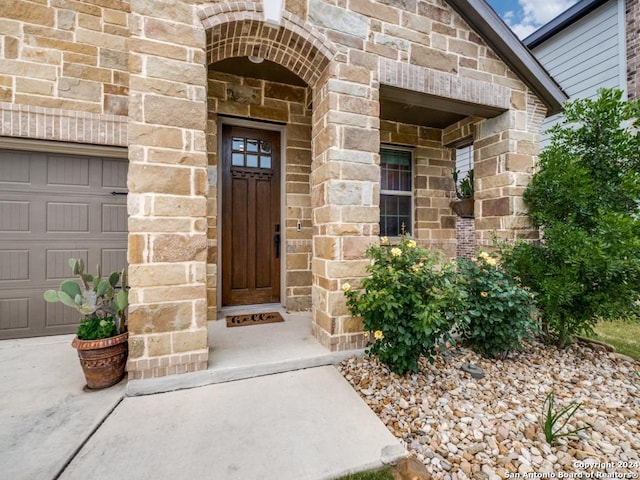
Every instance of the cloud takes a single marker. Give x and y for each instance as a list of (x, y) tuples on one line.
[(535, 13)]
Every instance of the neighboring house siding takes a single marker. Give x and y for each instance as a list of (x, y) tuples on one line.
[(587, 55), (633, 48)]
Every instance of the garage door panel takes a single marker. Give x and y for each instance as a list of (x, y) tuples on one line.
[(67, 217), (14, 314), (14, 265), (114, 218), (114, 174), (68, 171), (113, 259), (52, 208), (59, 315), (15, 169), (14, 216), (58, 263)]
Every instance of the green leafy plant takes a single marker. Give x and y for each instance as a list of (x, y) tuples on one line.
[(464, 187), (101, 305), (585, 200), (496, 314), (554, 422), (409, 302)]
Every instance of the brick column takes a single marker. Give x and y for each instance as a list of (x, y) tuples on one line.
[(506, 149), (167, 184), (345, 197)]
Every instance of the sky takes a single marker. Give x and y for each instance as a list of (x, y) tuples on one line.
[(526, 16)]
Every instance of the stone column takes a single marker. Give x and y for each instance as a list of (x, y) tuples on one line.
[(167, 186), (345, 196), (506, 149)]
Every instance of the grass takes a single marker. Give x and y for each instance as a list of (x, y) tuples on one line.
[(624, 335), (381, 474)]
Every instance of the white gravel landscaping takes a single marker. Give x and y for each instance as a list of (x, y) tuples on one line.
[(490, 428)]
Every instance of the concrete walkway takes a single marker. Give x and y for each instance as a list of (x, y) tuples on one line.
[(45, 415), (302, 421)]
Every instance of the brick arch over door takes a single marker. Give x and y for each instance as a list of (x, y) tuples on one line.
[(237, 29)]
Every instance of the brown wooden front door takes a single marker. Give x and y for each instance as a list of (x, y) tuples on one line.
[(250, 216)]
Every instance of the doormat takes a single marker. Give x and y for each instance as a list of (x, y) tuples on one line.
[(253, 319)]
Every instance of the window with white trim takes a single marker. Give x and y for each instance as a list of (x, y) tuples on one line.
[(396, 193), (464, 160)]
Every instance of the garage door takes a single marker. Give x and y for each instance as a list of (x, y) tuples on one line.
[(55, 207)]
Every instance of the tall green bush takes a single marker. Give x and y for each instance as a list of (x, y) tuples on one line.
[(585, 198), (496, 314)]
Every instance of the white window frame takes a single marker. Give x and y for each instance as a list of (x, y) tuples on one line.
[(401, 193)]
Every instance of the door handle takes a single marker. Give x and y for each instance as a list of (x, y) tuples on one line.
[(276, 242)]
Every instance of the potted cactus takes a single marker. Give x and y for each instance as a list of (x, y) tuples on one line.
[(102, 336)]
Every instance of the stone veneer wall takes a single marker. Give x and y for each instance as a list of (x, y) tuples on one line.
[(433, 190), (70, 56), (267, 101), (505, 152), (633, 48), (64, 71), (167, 190), (73, 59)]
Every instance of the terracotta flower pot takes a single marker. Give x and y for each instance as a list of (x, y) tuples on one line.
[(463, 207), (103, 361)]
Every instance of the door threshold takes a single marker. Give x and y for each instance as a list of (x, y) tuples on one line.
[(255, 308)]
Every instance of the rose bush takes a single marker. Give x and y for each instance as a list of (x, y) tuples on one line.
[(409, 301)]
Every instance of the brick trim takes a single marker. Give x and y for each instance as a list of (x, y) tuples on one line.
[(238, 29), (466, 237), (442, 84), (167, 364), (536, 113), (42, 123), (338, 343)]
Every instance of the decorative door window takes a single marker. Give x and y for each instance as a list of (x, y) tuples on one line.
[(251, 152)]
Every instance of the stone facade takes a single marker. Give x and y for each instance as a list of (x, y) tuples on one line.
[(144, 74), (267, 101)]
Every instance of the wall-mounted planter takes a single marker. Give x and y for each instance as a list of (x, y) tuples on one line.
[(463, 207)]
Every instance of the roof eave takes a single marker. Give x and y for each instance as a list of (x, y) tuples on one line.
[(480, 16)]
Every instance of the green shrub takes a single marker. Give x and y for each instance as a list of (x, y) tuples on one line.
[(409, 301), (496, 314), (585, 200), (94, 328)]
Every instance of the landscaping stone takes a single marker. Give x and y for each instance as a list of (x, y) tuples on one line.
[(461, 428), (410, 469)]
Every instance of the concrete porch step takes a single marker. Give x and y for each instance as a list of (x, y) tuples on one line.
[(238, 353)]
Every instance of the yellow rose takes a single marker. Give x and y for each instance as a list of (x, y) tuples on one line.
[(384, 240), (484, 255), (346, 287), (484, 294), (396, 252), (411, 244), (378, 335), (491, 261)]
